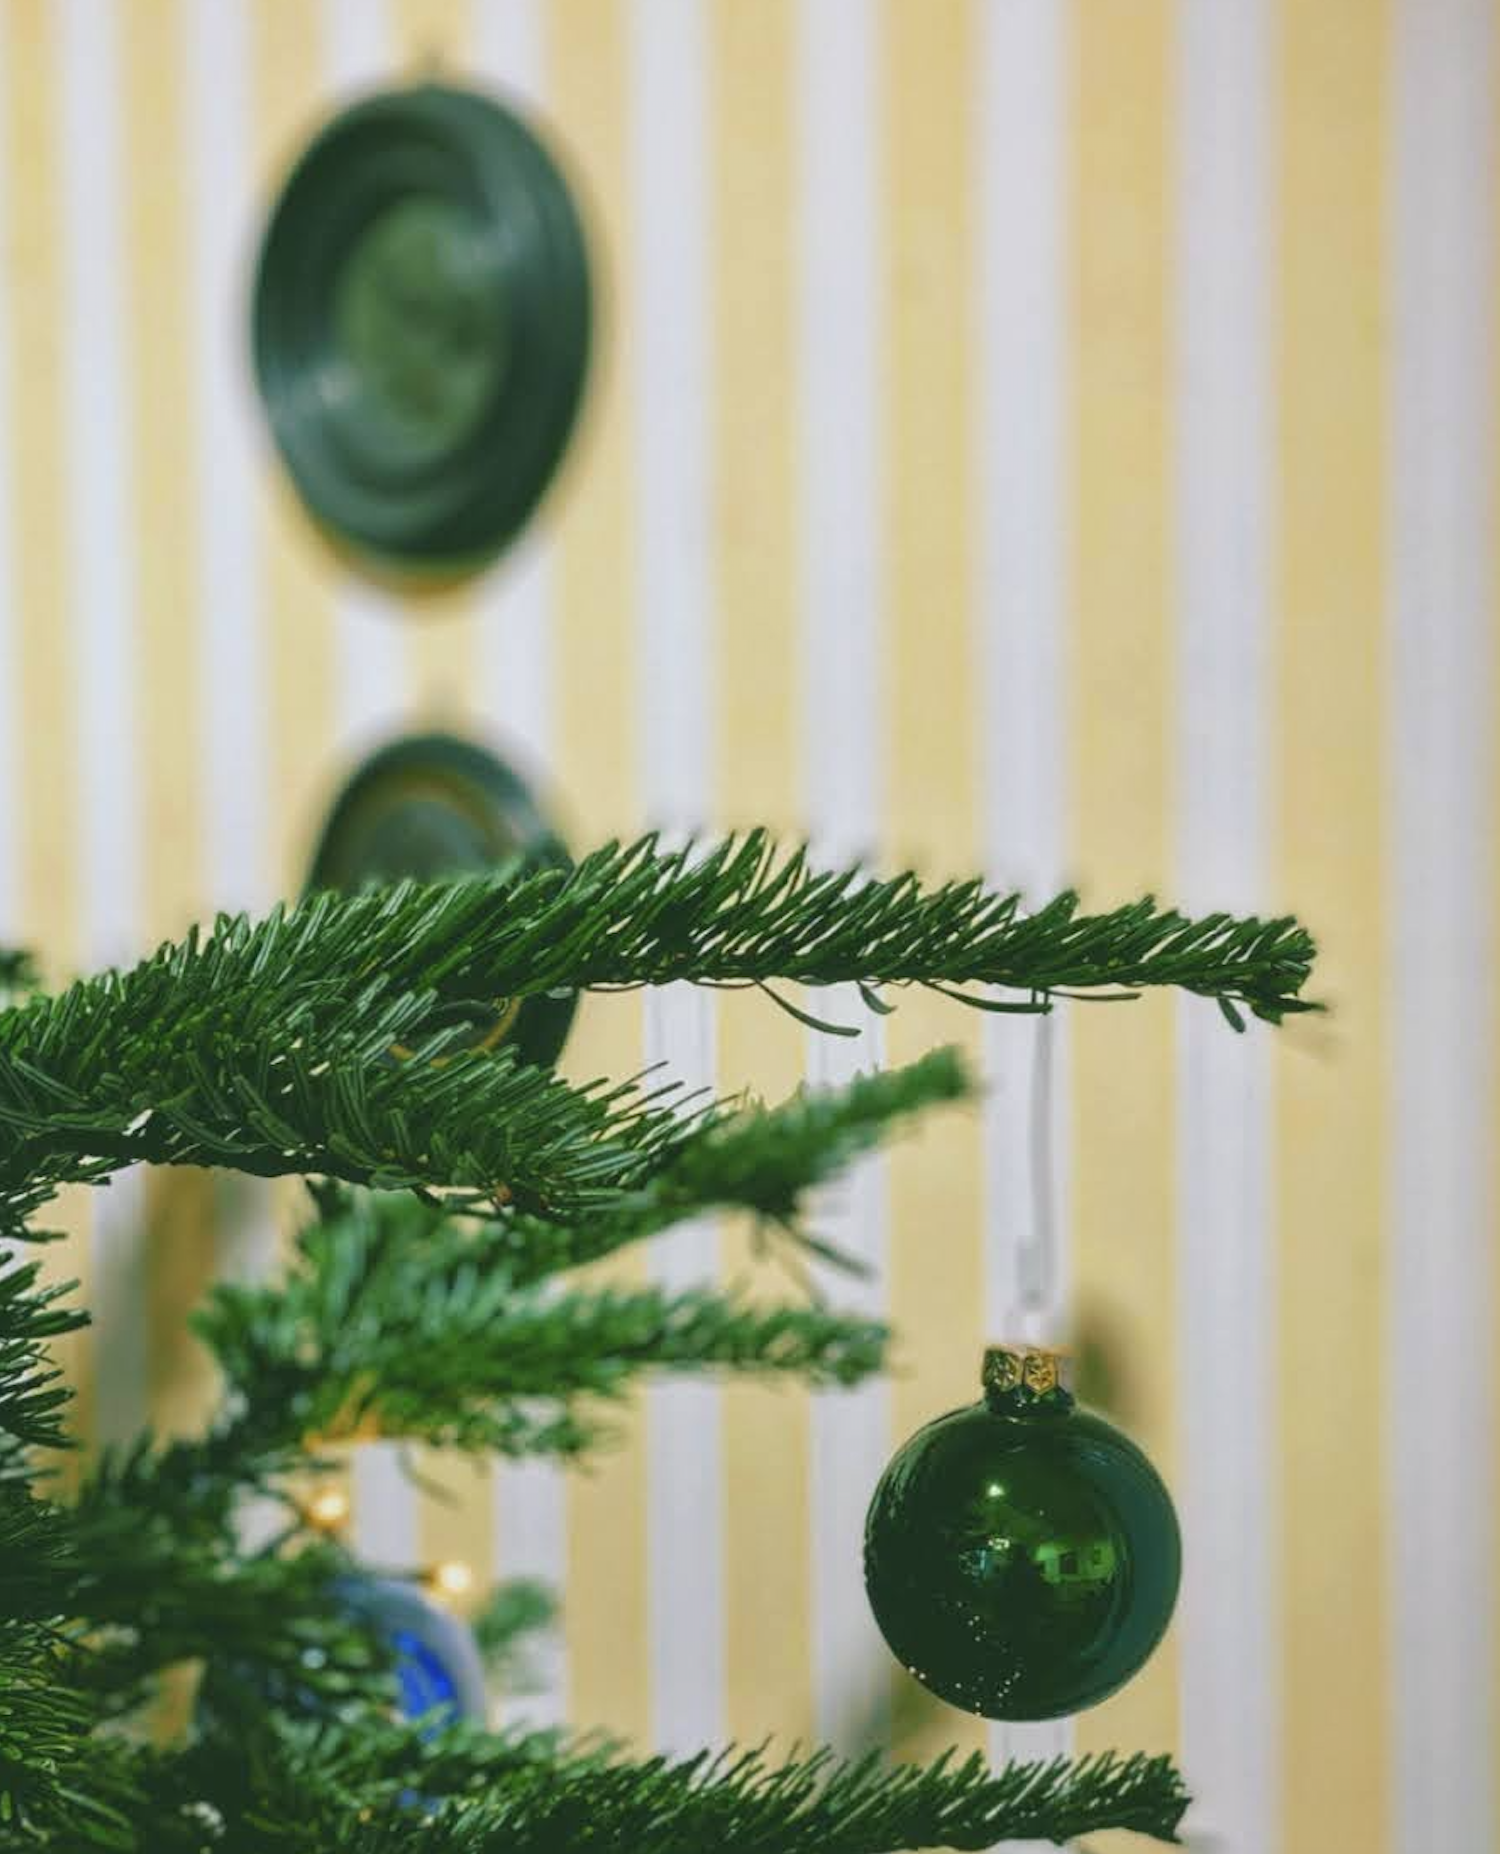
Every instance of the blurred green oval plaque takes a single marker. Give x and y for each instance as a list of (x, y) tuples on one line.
[(421, 326), (430, 806)]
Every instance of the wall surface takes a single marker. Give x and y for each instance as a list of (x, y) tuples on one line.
[(1056, 436)]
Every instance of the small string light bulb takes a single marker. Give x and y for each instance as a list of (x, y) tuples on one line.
[(328, 1509), (452, 1579)]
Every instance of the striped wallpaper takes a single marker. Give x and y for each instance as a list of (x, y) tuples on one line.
[(1051, 435)]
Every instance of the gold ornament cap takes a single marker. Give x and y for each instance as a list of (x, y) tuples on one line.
[(1019, 1373)]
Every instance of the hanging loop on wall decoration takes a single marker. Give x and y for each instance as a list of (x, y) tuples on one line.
[(432, 805), (420, 327)]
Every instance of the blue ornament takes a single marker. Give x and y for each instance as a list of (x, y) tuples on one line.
[(439, 1674)]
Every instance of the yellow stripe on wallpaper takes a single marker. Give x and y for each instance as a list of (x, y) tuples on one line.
[(767, 1572), (289, 102), (45, 645), (296, 602), (433, 40), (1120, 680), (163, 429), (1330, 1075), (931, 819), (604, 1618), (41, 575), (178, 1249)]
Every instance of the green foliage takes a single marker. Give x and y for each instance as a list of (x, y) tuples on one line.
[(267, 1047), (400, 1320), (153, 1602), (240, 1072), (743, 912), (326, 1788), (761, 1160), (327, 1040), (32, 1395), (18, 973), (63, 1784), (514, 1612), (55, 1782)]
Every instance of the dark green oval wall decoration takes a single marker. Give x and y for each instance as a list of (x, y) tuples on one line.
[(421, 327), (433, 805)]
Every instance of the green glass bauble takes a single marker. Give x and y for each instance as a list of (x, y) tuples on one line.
[(1021, 1555), (430, 806)]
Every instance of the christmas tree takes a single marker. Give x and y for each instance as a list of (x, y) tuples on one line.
[(453, 1191)]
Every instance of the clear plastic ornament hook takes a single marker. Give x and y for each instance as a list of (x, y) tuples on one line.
[(1036, 1254)]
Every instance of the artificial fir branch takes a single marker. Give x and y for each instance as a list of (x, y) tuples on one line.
[(153, 1568), (253, 1094), (267, 1047), (18, 973), (751, 1158), (429, 1340), (312, 1655), (328, 1039), (514, 1612), (32, 1395), (62, 1783), (399, 1319), (743, 911), (144, 1570), (330, 1789), (51, 1784)]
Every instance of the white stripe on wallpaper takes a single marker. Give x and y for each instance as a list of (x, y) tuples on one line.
[(1441, 667), (370, 662), (1225, 461), (515, 605), (384, 1501), (232, 449), (515, 597), (531, 1541), (11, 900), (672, 384), (1021, 156), (102, 580), (838, 390), (850, 1429), (668, 58), (370, 675), (515, 602), (840, 395)]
